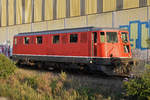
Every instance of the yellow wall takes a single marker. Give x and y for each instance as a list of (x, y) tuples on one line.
[(109, 5), (75, 7), (11, 12), (148, 2), (61, 8), (48, 9), (18, 11), (37, 10), (130, 4), (3, 12), (28, 11), (91, 6)]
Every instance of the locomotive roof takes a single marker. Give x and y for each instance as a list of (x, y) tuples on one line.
[(69, 30)]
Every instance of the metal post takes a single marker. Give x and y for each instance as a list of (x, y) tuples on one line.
[(0, 13), (87, 20), (32, 14), (7, 34), (7, 14), (148, 32), (64, 23), (113, 19), (47, 25)]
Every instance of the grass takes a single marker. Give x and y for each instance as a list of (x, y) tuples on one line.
[(34, 85), (25, 84)]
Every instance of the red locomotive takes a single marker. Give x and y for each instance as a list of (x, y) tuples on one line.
[(86, 48)]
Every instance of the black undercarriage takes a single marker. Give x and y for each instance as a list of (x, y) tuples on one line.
[(109, 66)]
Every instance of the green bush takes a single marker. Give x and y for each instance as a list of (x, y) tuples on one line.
[(139, 88), (7, 67)]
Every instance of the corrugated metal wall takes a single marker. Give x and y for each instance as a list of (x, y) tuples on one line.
[(91, 6), (3, 13), (109, 5), (130, 4), (18, 11), (61, 9), (48, 9), (74, 8), (11, 12), (26, 11)]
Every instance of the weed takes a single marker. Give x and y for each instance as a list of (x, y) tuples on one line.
[(139, 88), (30, 85), (7, 67)]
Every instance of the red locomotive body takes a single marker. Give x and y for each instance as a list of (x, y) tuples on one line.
[(82, 46)]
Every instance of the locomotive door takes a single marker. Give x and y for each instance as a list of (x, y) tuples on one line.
[(94, 43)]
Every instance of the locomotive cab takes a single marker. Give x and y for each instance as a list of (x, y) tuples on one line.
[(108, 44), (112, 51)]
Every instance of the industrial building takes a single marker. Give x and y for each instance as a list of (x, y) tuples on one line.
[(17, 16)]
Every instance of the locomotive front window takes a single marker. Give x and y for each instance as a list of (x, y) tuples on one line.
[(112, 37), (73, 38), (102, 37), (56, 39), (124, 37), (39, 40), (26, 40)]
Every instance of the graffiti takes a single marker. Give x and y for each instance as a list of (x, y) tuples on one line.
[(139, 32)]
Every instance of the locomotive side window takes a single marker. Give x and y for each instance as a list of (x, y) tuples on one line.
[(26, 40), (39, 40), (112, 37), (124, 37), (73, 38), (56, 39), (102, 37)]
